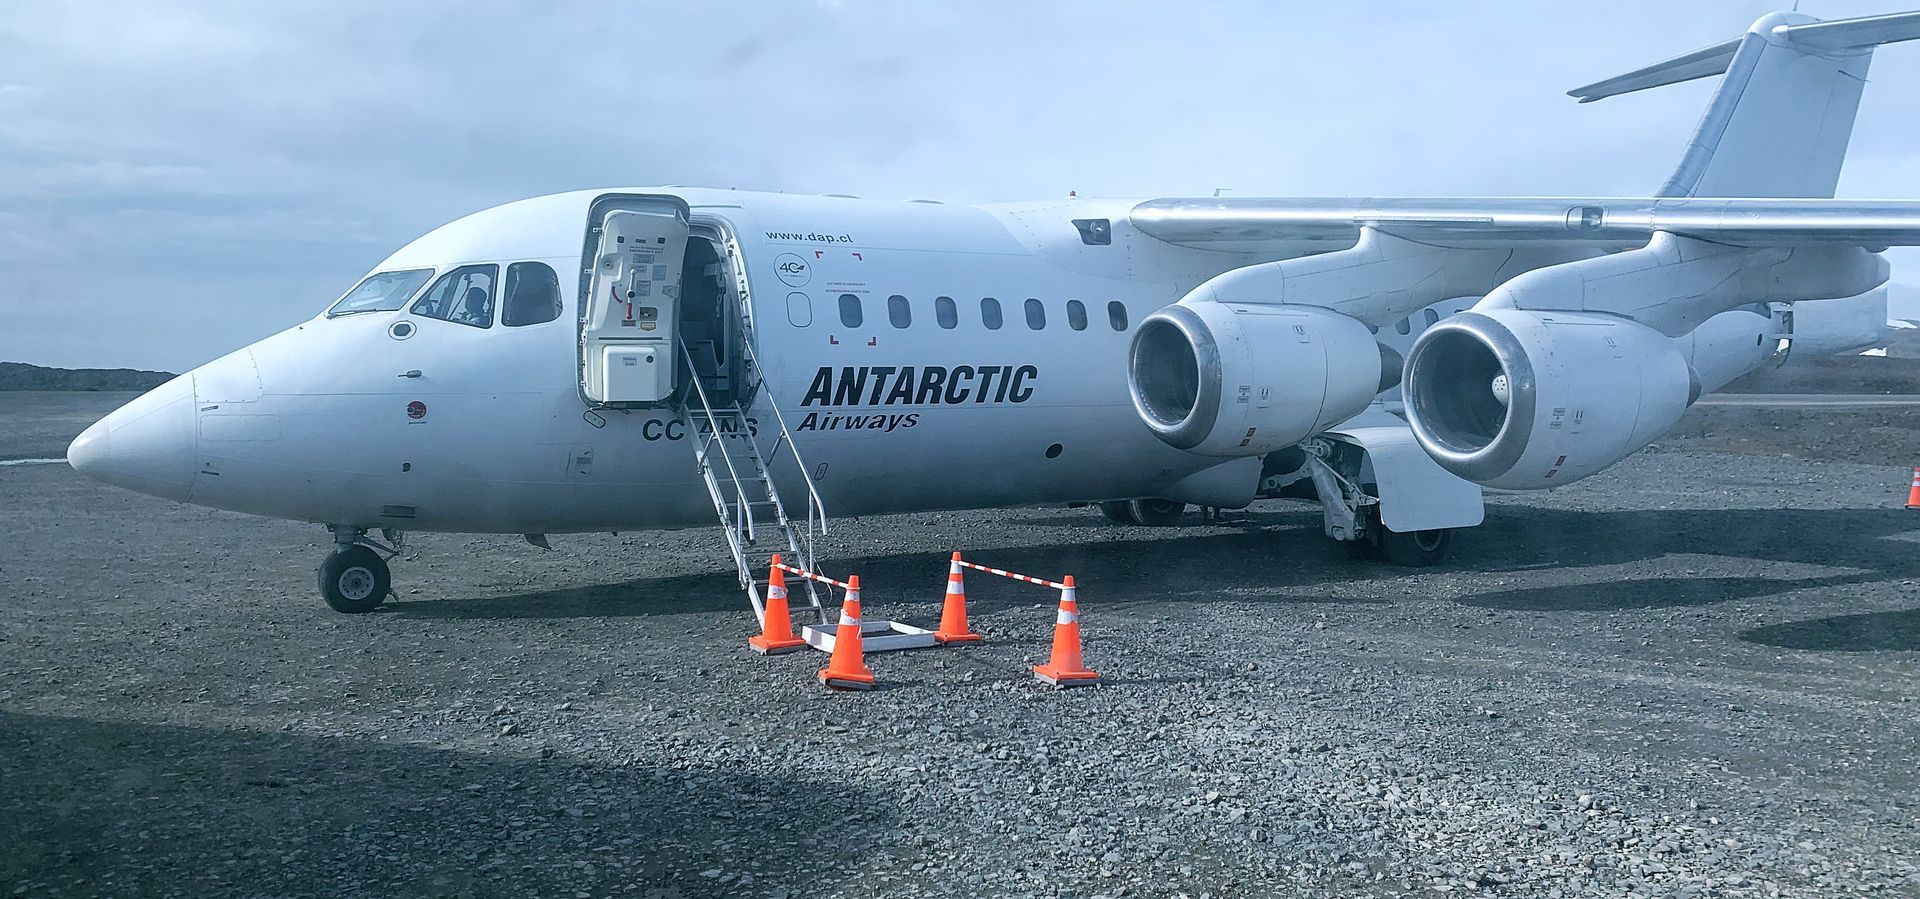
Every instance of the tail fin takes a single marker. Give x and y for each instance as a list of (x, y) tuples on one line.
[(1779, 124)]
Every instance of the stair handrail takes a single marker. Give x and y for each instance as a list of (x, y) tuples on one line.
[(816, 510), (741, 514)]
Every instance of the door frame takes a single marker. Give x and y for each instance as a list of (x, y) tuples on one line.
[(740, 324)]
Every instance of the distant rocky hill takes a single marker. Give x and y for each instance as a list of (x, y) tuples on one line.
[(1897, 372), (21, 376), (1904, 343)]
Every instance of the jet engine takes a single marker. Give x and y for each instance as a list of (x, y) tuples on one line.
[(1245, 379), (1524, 399)]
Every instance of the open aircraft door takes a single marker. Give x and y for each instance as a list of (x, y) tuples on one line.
[(629, 313)]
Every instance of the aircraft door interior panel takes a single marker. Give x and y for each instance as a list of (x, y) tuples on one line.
[(637, 372), (632, 314)]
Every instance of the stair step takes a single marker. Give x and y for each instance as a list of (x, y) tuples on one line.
[(737, 475)]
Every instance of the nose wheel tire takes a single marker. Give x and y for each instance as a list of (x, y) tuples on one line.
[(354, 580)]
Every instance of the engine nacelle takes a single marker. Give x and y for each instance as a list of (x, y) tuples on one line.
[(1245, 379), (1523, 399)]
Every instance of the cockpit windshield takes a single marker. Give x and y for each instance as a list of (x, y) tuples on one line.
[(381, 292)]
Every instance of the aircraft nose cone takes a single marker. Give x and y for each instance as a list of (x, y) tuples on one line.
[(88, 452), (146, 445)]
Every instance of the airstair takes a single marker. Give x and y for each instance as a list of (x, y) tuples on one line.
[(739, 478)]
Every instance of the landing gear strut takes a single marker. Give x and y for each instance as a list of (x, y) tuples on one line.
[(1353, 514), (354, 578)]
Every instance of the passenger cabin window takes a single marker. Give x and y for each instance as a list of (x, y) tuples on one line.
[(898, 312), (850, 311), (1403, 326), (532, 295), (463, 296), (990, 313), (1432, 317), (946, 312), (381, 292), (1076, 315), (1036, 314), (1117, 315)]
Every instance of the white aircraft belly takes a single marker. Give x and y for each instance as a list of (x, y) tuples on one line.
[(474, 462)]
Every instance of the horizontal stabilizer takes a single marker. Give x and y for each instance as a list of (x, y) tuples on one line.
[(1837, 36), (1701, 63), (1855, 34)]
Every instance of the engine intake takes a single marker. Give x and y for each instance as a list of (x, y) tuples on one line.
[(1522, 400), (1245, 379)]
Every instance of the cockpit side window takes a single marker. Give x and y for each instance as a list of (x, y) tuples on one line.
[(381, 292), (532, 295), (463, 296)]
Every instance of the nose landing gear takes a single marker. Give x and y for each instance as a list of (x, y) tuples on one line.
[(354, 578)]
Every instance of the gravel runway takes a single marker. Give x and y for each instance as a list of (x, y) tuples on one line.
[(1697, 674)]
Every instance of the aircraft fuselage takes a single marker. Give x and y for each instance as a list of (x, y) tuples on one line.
[(984, 366)]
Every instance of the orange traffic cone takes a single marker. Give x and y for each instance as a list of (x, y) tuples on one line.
[(1065, 668), (845, 670), (953, 618), (1913, 492), (776, 623)]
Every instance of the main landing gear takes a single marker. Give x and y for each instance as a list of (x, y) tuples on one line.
[(1351, 512), (1155, 513), (1408, 549), (1339, 476), (354, 578)]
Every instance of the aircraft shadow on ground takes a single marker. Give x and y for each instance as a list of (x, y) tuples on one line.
[(1528, 539), (1301, 515), (678, 595), (98, 808), (1281, 557), (1647, 593), (1851, 538), (1866, 632), (1161, 566)]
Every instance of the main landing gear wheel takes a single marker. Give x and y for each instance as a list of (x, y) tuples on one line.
[(1412, 549), (355, 579), (1119, 512), (1158, 513), (1416, 549)]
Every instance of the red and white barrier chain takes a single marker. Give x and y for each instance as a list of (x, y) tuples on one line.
[(801, 572), (1008, 574)]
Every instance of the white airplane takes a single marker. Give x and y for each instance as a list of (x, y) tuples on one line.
[(612, 360)]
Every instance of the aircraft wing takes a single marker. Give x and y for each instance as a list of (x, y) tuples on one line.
[(1226, 223)]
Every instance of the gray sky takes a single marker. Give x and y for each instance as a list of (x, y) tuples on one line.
[(178, 179)]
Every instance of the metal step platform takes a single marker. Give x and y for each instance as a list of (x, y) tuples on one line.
[(739, 479)]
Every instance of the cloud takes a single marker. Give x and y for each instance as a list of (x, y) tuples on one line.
[(233, 166)]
